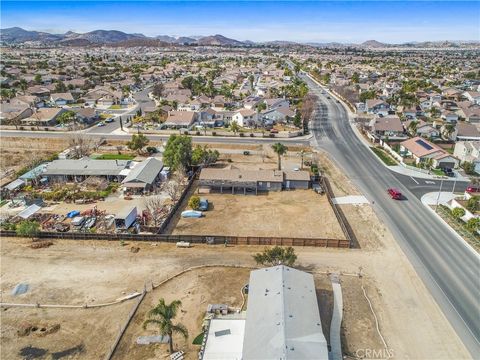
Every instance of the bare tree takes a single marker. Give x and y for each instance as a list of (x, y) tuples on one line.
[(155, 205), (81, 144), (174, 186), (308, 106)]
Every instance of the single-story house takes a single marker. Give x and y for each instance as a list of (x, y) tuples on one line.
[(279, 114), (11, 114), (180, 119), (86, 115), (144, 176), (43, 117), (79, 170), (276, 103), (232, 179), (388, 126), (60, 99)]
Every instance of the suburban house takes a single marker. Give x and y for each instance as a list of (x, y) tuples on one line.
[(234, 180), (469, 111), (473, 96), (276, 103), (61, 99), (12, 114), (466, 131), (143, 177), (40, 91), (277, 115), (43, 117), (102, 97), (27, 100), (86, 115), (282, 321), (245, 117), (423, 129), (423, 150), (449, 116), (375, 106), (468, 151), (387, 127), (180, 119), (79, 170)]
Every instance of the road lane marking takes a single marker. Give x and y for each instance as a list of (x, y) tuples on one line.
[(416, 182), (430, 182)]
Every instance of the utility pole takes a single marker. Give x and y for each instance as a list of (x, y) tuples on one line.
[(121, 123), (438, 197)]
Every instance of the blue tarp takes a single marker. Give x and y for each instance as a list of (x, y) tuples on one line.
[(73, 213)]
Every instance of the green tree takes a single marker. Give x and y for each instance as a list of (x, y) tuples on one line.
[(276, 256), (234, 127), (412, 128), (458, 212), (38, 79), (138, 142), (204, 156), (158, 90), (162, 316), (28, 228), (355, 78), (66, 117), (251, 80), (297, 120), (194, 202), (473, 224), (60, 87), (469, 167), (365, 95), (280, 150), (472, 204), (178, 152)]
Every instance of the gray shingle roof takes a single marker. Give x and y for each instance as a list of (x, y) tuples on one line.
[(86, 167), (145, 172)]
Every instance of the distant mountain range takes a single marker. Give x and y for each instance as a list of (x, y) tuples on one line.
[(17, 35)]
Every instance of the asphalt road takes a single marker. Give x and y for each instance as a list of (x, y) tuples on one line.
[(142, 100), (450, 270)]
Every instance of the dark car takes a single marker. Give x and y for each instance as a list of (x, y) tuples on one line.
[(449, 172), (395, 193), (203, 204)]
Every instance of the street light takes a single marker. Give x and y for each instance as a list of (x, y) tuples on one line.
[(438, 197)]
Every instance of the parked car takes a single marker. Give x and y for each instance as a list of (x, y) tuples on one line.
[(395, 193), (318, 189), (274, 131), (246, 152), (449, 172), (203, 204), (101, 123), (473, 189), (109, 120)]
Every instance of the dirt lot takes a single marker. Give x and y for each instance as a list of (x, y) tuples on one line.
[(79, 272), (269, 214), (71, 340)]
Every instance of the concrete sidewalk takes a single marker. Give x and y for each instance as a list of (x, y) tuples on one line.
[(432, 197), (418, 174)]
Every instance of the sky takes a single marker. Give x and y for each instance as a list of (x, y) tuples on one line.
[(312, 21)]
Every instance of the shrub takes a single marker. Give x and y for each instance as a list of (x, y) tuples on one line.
[(458, 212), (472, 204), (185, 132), (197, 133), (194, 202), (252, 135), (241, 134), (214, 133)]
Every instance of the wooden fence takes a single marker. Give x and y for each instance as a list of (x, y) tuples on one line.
[(194, 239), (342, 220)]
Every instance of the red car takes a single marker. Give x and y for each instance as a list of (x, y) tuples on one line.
[(473, 189), (395, 193)]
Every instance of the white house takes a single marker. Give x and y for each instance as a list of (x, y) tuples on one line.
[(473, 96), (245, 117), (468, 151)]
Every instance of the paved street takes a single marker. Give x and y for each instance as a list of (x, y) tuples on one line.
[(449, 269)]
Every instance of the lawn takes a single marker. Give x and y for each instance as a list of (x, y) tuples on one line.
[(114, 157), (383, 156), (116, 107)]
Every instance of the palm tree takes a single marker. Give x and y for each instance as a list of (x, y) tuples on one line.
[(448, 131), (412, 127), (280, 150), (234, 127), (162, 316)]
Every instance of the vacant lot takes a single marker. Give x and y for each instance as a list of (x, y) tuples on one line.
[(298, 213)]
